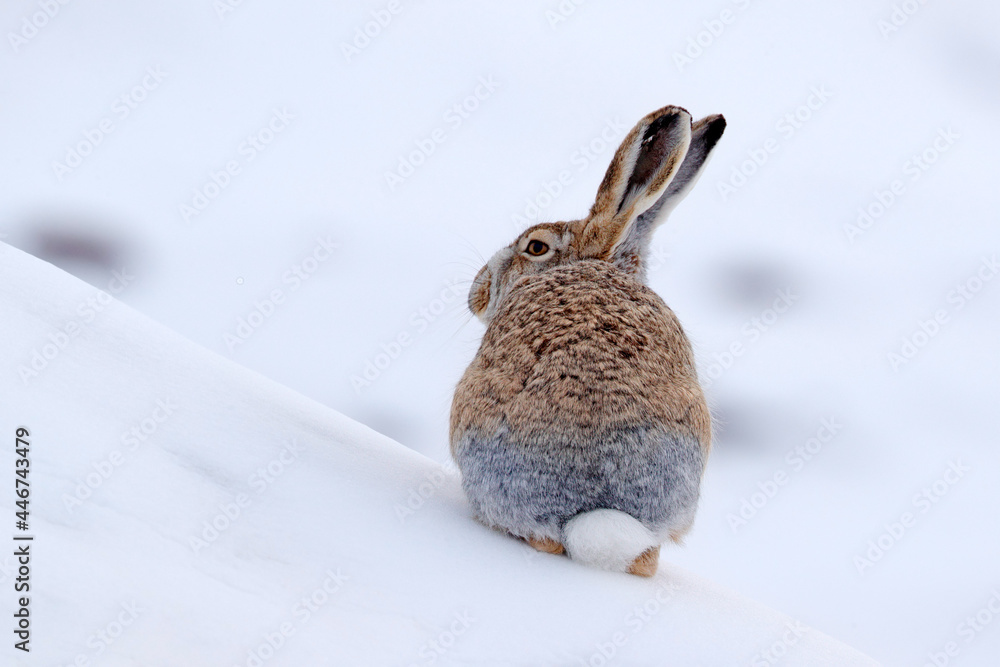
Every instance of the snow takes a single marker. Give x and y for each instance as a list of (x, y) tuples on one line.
[(772, 270), (189, 511)]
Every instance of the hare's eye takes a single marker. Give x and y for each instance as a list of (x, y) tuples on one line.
[(537, 248)]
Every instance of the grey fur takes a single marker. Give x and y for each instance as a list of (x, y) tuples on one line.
[(533, 488)]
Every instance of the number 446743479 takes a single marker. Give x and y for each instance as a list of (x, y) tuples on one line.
[(21, 486)]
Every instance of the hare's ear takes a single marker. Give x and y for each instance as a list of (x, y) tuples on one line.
[(704, 135), (630, 253), (641, 170)]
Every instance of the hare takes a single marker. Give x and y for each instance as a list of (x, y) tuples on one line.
[(580, 424)]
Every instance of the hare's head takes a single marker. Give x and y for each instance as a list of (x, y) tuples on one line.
[(656, 165)]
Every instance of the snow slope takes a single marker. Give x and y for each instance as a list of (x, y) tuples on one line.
[(187, 511)]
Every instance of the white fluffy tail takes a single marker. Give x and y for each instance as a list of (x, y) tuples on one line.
[(607, 539)]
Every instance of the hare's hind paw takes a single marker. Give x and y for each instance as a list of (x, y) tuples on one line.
[(546, 545), (645, 564)]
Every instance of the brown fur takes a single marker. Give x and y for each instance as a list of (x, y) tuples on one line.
[(546, 545), (638, 367), (645, 565)]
